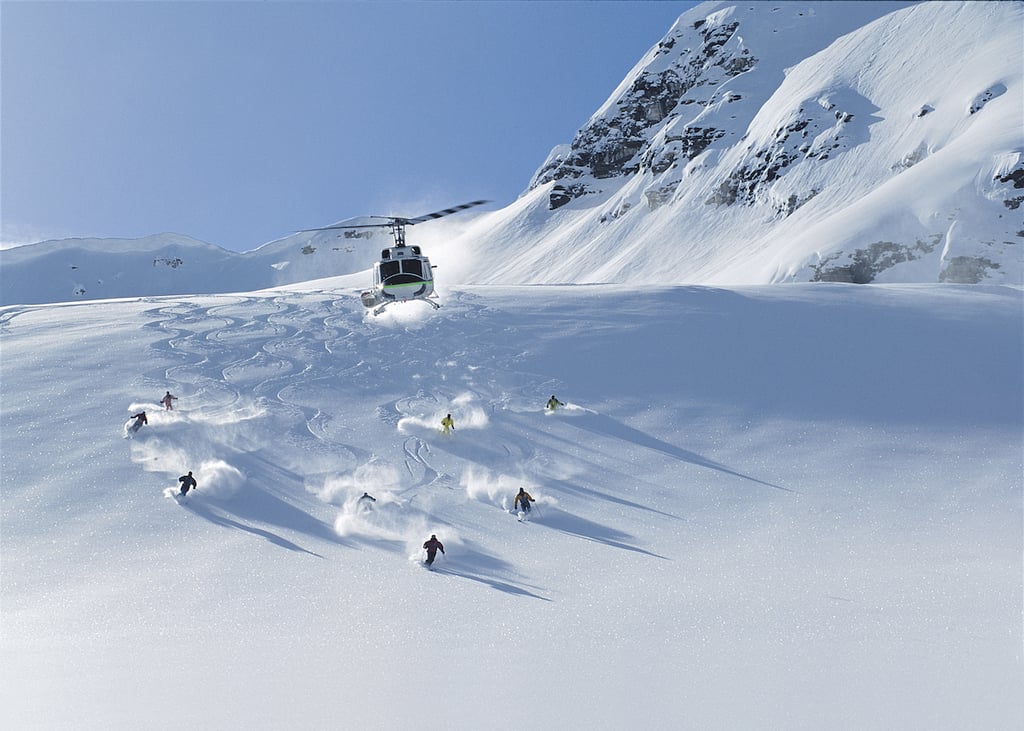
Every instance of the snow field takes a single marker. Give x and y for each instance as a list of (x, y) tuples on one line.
[(762, 507)]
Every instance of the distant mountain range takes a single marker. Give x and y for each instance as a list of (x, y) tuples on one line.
[(755, 143)]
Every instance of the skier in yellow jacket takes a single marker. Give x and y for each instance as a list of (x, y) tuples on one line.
[(523, 500), (447, 425)]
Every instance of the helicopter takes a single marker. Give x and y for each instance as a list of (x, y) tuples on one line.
[(403, 272)]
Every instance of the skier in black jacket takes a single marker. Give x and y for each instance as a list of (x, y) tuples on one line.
[(188, 482), (432, 546)]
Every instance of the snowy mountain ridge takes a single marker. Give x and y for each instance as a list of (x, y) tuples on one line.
[(755, 143), (766, 142), (69, 269)]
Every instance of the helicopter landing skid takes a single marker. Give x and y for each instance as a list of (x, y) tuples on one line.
[(380, 309)]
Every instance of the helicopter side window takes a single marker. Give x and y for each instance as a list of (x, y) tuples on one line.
[(388, 269), (413, 266)]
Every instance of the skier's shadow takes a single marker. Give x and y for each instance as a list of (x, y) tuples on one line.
[(583, 528), (481, 567), (208, 512), (608, 427), (257, 503)]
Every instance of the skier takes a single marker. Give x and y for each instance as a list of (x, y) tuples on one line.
[(554, 403), (168, 401), (140, 419), (188, 482), (523, 500), (432, 546), (365, 501), (447, 425)]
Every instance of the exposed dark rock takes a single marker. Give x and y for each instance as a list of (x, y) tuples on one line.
[(688, 145), (558, 197), (793, 202), (659, 197), (866, 264), (820, 129), (697, 139), (996, 90), (724, 194), (1016, 175), (620, 142), (967, 269), (562, 194)]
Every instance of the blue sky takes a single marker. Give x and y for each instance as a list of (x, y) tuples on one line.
[(240, 122)]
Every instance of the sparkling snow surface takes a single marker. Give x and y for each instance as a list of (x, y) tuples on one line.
[(777, 507)]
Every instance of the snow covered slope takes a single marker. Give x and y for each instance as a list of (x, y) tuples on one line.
[(755, 143), (87, 269), (765, 142), (794, 507)]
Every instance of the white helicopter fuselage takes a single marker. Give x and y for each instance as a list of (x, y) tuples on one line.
[(402, 274)]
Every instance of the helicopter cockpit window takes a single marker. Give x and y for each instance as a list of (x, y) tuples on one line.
[(413, 266), (388, 269)]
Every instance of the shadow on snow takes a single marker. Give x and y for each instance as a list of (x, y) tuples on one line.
[(574, 525), (217, 518), (477, 566), (608, 427)]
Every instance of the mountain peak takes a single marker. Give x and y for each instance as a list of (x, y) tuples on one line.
[(754, 143), (802, 141)]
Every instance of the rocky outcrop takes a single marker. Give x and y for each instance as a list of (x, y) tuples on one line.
[(863, 265), (684, 70), (1015, 178), (822, 141), (819, 129)]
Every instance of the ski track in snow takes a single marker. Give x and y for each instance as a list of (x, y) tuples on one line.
[(290, 358), (764, 495)]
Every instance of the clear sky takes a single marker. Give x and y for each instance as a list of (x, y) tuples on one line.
[(240, 122)]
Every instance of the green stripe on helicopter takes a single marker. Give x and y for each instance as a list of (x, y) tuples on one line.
[(406, 285)]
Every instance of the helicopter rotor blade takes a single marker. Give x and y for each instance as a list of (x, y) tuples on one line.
[(391, 221), (385, 222), (439, 214), (340, 227)]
